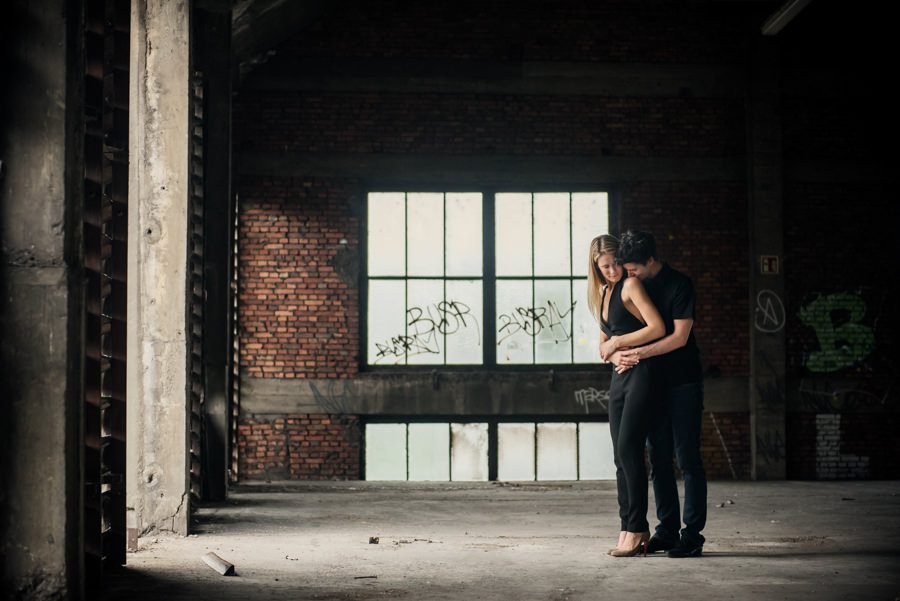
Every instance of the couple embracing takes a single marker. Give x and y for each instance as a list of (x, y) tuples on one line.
[(646, 314)]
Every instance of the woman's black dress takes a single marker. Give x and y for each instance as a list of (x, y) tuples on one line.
[(633, 400)]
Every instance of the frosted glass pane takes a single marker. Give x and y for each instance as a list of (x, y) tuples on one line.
[(590, 218), (551, 234), (469, 452), (424, 327), (586, 331), (552, 321), (385, 451), (386, 253), (513, 228), (429, 452), (557, 448), (386, 323), (464, 250), (595, 452), (425, 234), (515, 452), (462, 322), (515, 322)]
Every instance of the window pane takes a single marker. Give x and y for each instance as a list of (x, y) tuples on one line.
[(595, 452), (387, 323), (515, 451), (513, 229), (557, 452), (469, 452), (386, 255), (386, 452), (515, 322), (462, 317), (551, 234), (552, 321), (425, 232), (429, 452), (586, 332), (590, 218), (423, 322), (464, 254)]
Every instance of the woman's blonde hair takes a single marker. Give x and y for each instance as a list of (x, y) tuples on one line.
[(601, 245)]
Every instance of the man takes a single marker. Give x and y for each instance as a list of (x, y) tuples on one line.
[(678, 429)]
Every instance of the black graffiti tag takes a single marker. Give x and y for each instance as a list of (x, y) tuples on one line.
[(425, 327), (533, 320)]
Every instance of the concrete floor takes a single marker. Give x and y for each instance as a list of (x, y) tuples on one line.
[(777, 540)]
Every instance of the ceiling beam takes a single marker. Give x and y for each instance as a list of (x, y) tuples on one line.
[(784, 15)]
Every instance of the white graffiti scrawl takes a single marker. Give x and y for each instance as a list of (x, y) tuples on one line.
[(770, 313), (586, 396)]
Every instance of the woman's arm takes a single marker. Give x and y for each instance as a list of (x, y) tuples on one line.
[(603, 339), (633, 290)]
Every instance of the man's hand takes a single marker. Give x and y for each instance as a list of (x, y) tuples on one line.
[(625, 359)]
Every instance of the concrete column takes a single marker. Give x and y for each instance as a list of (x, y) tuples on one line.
[(158, 404), (766, 225), (41, 307)]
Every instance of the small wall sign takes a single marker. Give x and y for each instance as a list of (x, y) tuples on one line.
[(768, 264)]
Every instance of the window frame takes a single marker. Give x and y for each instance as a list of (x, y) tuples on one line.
[(488, 278)]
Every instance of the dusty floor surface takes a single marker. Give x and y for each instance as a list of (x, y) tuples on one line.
[(776, 540)]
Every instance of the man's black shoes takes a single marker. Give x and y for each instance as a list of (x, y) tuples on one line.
[(661, 543), (686, 548)]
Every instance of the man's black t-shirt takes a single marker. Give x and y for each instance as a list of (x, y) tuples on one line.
[(673, 294)]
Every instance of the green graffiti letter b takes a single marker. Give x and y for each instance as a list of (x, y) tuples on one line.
[(839, 346)]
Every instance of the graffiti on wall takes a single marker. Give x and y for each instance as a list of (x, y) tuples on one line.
[(843, 340), (830, 461), (334, 396), (426, 328), (587, 396), (534, 320), (769, 313), (770, 447), (827, 396)]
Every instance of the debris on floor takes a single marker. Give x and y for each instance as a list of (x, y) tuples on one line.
[(373, 540), (218, 564)]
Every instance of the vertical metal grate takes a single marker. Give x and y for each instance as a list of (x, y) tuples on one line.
[(195, 286), (234, 360), (105, 229)]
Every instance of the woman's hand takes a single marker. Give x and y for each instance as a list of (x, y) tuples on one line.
[(609, 347)]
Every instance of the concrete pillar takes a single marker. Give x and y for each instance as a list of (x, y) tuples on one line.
[(41, 305), (159, 137), (766, 228)]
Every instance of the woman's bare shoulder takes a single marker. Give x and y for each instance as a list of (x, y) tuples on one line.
[(631, 284)]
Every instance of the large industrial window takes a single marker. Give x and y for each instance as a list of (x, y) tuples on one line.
[(480, 279), (443, 451)]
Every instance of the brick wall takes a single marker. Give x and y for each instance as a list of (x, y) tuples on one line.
[(829, 446), (299, 447), (466, 124), (725, 445), (610, 31), (299, 304), (841, 255), (298, 297), (299, 313), (701, 229)]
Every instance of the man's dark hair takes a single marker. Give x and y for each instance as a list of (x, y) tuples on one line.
[(636, 247)]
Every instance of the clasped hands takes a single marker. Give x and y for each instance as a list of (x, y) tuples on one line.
[(623, 358)]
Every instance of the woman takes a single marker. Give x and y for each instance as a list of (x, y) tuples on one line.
[(627, 318)]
